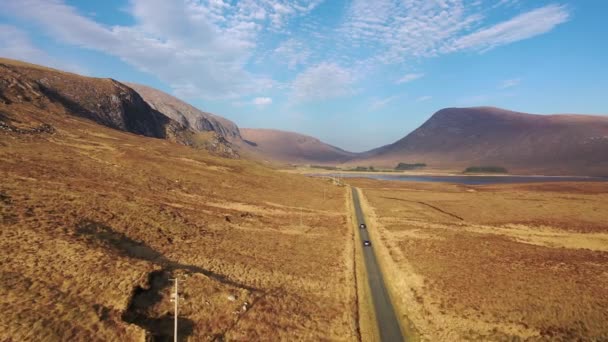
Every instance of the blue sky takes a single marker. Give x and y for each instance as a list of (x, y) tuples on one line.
[(355, 73)]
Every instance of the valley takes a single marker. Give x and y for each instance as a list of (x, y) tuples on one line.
[(111, 190)]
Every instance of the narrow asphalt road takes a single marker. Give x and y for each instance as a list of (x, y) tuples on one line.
[(388, 324)]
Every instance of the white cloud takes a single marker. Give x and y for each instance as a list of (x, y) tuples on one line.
[(15, 44), (292, 52), (524, 26), (404, 30), (262, 101), (323, 81), (424, 98), (381, 103), (507, 3), (206, 48), (509, 83), (408, 78), (199, 48)]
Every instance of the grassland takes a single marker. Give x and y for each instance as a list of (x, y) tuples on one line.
[(496, 263), (94, 222)]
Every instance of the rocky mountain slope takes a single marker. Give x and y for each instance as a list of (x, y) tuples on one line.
[(219, 133), (290, 147), (526, 143), (187, 114), (27, 89)]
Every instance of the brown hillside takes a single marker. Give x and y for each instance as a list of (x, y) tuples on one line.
[(289, 147), (95, 220), (525, 143)]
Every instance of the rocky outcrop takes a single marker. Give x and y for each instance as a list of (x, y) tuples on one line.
[(104, 101), (187, 114)]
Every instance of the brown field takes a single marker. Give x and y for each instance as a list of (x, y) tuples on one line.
[(497, 263), (93, 223)]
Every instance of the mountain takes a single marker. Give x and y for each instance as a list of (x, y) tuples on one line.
[(30, 90), (187, 114), (289, 147), (456, 138), (216, 134)]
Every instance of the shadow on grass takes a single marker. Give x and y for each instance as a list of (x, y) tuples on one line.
[(144, 299), (100, 234)]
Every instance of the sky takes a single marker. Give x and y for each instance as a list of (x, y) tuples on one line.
[(357, 74)]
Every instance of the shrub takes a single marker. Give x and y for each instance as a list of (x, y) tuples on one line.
[(406, 166)]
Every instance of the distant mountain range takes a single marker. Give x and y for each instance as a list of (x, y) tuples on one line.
[(452, 139), (457, 138)]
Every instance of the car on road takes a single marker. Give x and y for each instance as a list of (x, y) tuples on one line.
[(362, 226), (367, 243)]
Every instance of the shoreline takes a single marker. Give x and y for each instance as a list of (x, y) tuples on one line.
[(321, 172)]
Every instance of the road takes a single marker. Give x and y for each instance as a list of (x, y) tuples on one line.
[(388, 324)]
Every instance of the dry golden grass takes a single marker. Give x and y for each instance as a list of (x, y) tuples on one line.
[(502, 262), (94, 221)]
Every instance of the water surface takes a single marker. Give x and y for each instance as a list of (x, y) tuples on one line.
[(466, 179)]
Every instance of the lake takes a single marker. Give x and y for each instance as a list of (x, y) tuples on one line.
[(469, 180)]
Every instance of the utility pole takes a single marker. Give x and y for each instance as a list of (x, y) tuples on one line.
[(175, 299)]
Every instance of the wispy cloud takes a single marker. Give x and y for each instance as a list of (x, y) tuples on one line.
[(206, 49), (424, 98), (321, 82), (524, 26), (402, 30), (408, 78), (15, 43), (509, 83), (262, 101), (379, 103), (199, 48), (293, 53)]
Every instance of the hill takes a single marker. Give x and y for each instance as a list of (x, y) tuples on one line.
[(290, 147), (456, 138)]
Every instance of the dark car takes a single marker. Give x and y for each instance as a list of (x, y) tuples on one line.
[(367, 243), (362, 226)]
